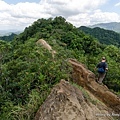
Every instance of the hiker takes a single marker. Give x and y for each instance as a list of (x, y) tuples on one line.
[(102, 67)]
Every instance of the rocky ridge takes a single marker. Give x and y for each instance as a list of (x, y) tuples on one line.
[(67, 102), (72, 102), (85, 78)]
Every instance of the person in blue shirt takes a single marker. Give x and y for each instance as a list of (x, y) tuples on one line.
[(102, 68)]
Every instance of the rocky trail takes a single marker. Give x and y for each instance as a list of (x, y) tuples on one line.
[(85, 100)]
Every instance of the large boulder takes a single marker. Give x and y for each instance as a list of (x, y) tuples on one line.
[(68, 102), (85, 78), (44, 44)]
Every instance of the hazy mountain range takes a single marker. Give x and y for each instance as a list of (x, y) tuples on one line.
[(115, 26), (9, 32)]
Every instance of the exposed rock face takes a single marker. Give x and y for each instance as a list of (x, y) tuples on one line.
[(67, 102), (83, 77), (46, 46)]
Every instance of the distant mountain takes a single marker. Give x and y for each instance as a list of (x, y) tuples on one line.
[(9, 32), (115, 26), (8, 38), (8, 35), (107, 37)]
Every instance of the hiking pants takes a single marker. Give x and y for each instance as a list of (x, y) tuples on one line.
[(101, 76)]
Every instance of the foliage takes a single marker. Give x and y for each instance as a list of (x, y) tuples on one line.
[(108, 37), (28, 71)]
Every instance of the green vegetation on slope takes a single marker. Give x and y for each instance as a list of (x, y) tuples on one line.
[(107, 37), (28, 71)]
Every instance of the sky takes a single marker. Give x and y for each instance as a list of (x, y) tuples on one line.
[(19, 14)]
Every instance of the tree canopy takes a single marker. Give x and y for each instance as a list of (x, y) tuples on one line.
[(107, 37)]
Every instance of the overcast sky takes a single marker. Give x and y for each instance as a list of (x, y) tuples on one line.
[(18, 14)]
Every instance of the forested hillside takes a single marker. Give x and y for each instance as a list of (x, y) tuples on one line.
[(28, 71), (104, 36), (8, 38)]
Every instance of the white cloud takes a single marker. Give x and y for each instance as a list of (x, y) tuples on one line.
[(118, 4), (104, 17), (80, 19), (4, 6), (72, 7), (78, 12)]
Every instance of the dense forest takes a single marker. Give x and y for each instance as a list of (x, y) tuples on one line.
[(28, 71), (107, 37)]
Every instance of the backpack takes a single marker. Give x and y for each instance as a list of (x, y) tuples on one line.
[(101, 70)]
